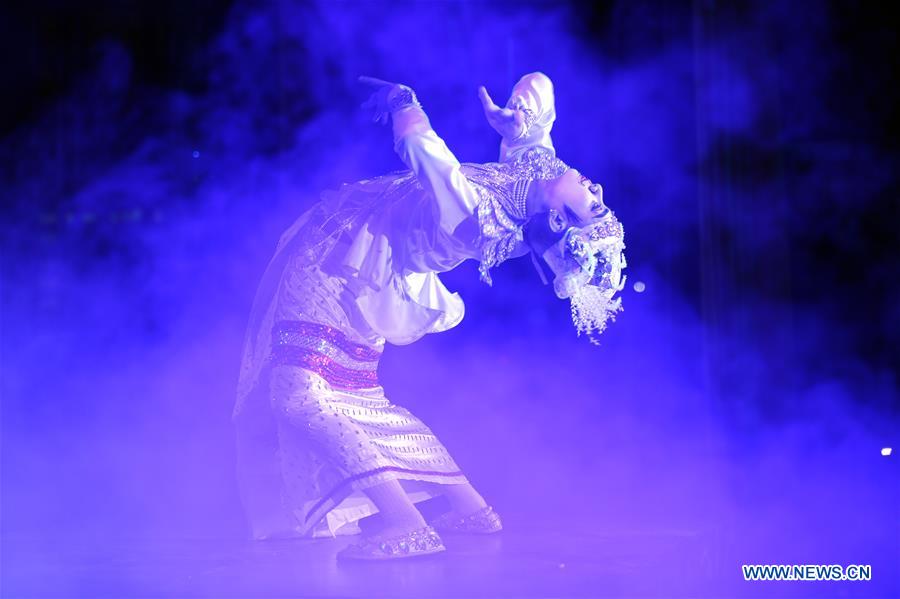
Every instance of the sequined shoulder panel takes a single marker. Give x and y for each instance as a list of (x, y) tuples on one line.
[(500, 216)]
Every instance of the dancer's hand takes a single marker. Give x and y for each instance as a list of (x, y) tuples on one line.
[(379, 103), (507, 122)]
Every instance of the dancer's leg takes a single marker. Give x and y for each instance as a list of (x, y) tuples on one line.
[(464, 499), (304, 413), (399, 514)]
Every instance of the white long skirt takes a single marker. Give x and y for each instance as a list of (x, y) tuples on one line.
[(318, 430)]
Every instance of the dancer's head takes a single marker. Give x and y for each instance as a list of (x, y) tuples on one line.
[(570, 200), (574, 234), (561, 216)]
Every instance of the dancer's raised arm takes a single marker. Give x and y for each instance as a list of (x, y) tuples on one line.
[(528, 117), (420, 148)]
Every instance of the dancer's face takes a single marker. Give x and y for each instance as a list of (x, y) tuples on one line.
[(576, 198), (574, 204)]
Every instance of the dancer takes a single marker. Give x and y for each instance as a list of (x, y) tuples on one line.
[(319, 444)]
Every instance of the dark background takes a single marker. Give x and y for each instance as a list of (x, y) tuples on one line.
[(830, 118)]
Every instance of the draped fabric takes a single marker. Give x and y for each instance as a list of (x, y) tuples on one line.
[(381, 237)]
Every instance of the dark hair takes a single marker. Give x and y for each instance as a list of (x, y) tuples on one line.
[(538, 235)]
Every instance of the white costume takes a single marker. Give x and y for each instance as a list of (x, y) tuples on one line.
[(358, 269)]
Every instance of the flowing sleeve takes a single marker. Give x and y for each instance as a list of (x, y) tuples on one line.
[(533, 94), (436, 167)]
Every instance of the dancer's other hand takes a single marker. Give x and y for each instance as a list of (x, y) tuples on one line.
[(378, 103), (505, 121)]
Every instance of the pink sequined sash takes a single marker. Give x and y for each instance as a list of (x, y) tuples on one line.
[(326, 351)]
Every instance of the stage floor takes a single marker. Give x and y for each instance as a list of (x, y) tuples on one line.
[(515, 563)]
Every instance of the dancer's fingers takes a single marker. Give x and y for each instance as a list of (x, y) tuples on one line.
[(374, 81), (486, 100)]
